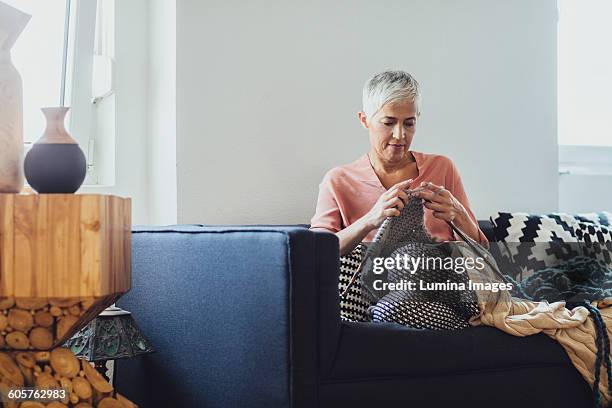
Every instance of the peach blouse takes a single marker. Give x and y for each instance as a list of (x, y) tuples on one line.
[(348, 192)]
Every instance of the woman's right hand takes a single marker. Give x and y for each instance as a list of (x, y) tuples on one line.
[(389, 204)]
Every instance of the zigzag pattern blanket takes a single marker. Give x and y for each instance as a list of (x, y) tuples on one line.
[(574, 329)]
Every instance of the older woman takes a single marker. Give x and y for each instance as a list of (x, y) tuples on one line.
[(354, 199)]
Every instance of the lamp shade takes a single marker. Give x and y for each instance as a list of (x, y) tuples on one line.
[(112, 335)]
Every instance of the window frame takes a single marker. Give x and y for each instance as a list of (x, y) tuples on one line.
[(591, 160), (76, 89), (585, 160), (78, 78)]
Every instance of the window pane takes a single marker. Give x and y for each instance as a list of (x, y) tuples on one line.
[(38, 55), (585, 72)]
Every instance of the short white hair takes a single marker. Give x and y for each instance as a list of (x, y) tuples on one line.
[(388, 87)]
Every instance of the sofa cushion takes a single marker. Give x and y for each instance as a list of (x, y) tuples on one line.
[(524, 387), (376, 350)]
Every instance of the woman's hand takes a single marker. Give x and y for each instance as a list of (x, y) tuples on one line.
[(389, 204), (443, 204), (446, 207)]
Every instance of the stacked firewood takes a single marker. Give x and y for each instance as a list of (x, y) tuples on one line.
[(37, 324), (57, 369), (29, 328)]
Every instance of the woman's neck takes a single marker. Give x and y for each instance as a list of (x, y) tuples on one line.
[(384, 167)]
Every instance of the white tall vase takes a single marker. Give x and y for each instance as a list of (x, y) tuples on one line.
[(12, 23)]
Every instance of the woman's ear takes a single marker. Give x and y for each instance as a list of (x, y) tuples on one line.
[(363, 119)]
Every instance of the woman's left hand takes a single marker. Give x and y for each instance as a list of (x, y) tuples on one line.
[(443, 204), (446, 207)]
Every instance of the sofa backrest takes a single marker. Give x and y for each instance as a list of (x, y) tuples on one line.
[(485, 225)]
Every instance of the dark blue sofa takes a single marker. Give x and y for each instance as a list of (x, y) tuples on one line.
[(248, 316)]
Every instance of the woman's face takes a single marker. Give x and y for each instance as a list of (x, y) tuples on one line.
[(391, 130)]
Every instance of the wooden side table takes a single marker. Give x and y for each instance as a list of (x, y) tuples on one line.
[(64, 248), (63, 259)]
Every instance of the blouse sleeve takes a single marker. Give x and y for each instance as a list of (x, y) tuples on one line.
[(456, 188), (327, 214)]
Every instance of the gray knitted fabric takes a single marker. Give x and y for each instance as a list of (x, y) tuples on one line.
[(405, 235)]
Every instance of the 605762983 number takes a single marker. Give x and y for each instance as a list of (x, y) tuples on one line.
[(35, 394)]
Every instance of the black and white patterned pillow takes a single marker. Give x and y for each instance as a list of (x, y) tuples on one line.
[(354, 304), (532, 242), (595, 240), (524, 227)]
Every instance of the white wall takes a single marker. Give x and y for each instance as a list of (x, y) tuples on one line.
[(161, 153), (267, 93)]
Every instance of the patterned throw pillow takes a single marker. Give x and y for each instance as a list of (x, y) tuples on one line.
[(530, 242), (596, 241), (354, 304), (524, 227)]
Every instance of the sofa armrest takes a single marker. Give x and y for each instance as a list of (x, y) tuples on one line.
[(328, 268), (233, 313)]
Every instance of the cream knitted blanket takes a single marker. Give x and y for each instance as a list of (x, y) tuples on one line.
[(574, 329)]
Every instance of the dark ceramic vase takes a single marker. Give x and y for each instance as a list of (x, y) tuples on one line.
[(55, 163)]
